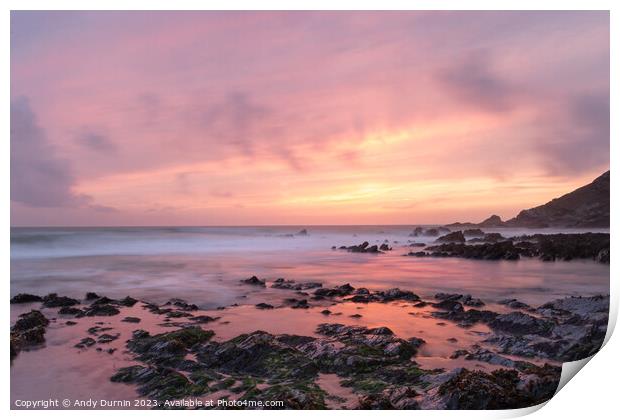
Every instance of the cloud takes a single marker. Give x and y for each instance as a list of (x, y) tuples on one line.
[(39, 178), (576, 137), (95, 141), (473, 80), (236, 121)]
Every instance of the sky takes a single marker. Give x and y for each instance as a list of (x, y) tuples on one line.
[(302, 118)]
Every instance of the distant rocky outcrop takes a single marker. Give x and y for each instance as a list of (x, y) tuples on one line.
[(586, 207)]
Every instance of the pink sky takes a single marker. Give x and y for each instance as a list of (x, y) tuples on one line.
[(219, 118)]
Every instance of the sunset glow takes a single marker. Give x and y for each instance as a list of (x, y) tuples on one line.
[(219, 118)]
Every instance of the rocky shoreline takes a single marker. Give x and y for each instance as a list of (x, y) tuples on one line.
[(476, 244), (514, 364)]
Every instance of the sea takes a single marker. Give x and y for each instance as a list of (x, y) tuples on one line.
[(205, 264)]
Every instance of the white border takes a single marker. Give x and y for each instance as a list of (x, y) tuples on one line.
[(593, 395)]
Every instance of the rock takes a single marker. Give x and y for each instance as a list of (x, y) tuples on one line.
[(53, 301), (292, 285), (30, 320), (182, 304), (263, 305), (85, 342), (466, 319), (364, 247), (417, 244), (469, 301), (100, 310), (497, 251), (300, 304), (68, 310), (587, 206), (500, 389), (518, 323), (25, 298), (128, 301), (28, 331), (492, 221), (392, 398), (385, 247), (97, 329), (418, 231), (514, 304), (203, 319), (449, 305), (568, 247), (452, 237), (448, 296), (92, 296), (326, 312), (254, 281), (473, 233), (344, 290), (158, 383), (168, 348), (397, 294), (131, 319), (417, 254), (431, 232), (107, 338)]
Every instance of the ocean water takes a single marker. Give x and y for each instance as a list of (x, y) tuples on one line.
[(204, 264)]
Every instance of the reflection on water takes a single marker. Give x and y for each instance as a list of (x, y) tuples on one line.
[(204, 266)]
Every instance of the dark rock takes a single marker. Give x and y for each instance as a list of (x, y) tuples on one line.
[(92, 296), (500, 389), (25, 298), (452, 237), (473, 233), (53, 301), (392, 398), (254, 281), (518, 323), (418, 231), (128, 301), (344, 290), (587, 206), (396, 294), (85, 342), (131, 319), (100, 310), (449, 305), (167, 348), (203, 319), (417, 254), (497, 251), (182, 304), (68, 310), (514, 304), (106, 338), (263, 305), (417, 244), (28, 331)]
